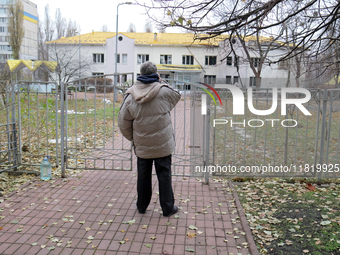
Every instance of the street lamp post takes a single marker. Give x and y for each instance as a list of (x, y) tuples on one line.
[(116, 55), (33, 69), (79, 85)]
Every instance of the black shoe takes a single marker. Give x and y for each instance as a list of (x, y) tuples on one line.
[(174, 210), (141, 212)]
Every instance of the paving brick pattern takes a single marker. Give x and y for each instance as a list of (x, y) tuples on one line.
[(96, 203)]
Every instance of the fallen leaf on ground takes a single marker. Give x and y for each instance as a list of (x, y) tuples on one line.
[(310, 187), (130, 222), (191, 235), (192, 227)]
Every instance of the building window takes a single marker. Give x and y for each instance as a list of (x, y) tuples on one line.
[(210, 79), (5, 47), (229, 61), (97, 74), (124, 59), (118, 58), (5, 56), (255, 62), (4, 38), (210, 60), (142, 58), (252, 82), (165, 76), (98, 58), (166, 59), (235, 79), (3, 29), (3, 20), (3, 10), (124, 78), (187, 60), (283, 64), (228, 79), (236, 61)]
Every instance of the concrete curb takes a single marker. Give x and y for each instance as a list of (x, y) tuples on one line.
[(244, 222)]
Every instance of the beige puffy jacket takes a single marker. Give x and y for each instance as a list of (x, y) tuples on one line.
[(144, 118)]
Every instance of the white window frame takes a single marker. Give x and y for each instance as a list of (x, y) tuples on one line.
[(209, 60), (255, 62), (236, 61), (118, 58), (142, 58), (188, 60), (124, 59), (228, 77), (237, 78), (165, 59), (210, 79), (98, 57), (229, 61), (97, 74)]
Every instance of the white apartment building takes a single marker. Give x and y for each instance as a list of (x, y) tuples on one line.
[(29, 47), (178, 57)]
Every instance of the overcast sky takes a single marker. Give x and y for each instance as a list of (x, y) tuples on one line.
[(92, 15)]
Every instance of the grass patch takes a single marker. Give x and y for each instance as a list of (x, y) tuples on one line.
[(288, 218)]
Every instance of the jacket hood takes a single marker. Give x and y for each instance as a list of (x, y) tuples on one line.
[(143, 93)]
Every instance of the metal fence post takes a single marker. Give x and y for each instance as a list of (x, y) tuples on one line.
[(323, 130), (14, 137), (207, 143), (19, 125), (62, 126), (7, 119), (56, 126)]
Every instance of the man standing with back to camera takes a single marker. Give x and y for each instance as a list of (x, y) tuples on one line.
[(144, 118)]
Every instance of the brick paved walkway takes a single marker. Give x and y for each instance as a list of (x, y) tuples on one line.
[(85, 214)]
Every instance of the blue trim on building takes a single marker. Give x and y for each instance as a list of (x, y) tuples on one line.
[(31, 16)]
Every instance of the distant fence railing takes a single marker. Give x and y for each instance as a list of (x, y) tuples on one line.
[(290, 145)]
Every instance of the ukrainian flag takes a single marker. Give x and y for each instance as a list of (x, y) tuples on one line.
[(30, 17)]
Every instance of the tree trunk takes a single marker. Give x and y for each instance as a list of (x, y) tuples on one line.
[(258, 80)]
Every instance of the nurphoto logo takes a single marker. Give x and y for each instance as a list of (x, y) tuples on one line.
[(239, 104)]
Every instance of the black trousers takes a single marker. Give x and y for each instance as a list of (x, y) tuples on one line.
[(144, 183)]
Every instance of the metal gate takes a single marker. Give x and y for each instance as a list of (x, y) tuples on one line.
[(92, 139)]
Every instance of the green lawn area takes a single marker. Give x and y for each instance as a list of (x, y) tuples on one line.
[(289, 218)]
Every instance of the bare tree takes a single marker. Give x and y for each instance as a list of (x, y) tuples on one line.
[(210, 19), (60, 24), (148, 27), (46, 33), (132, 28), (162, 30), (50, 30), (16, 27), (104, 28), (72, 29), (69, 64), (48, 26)]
